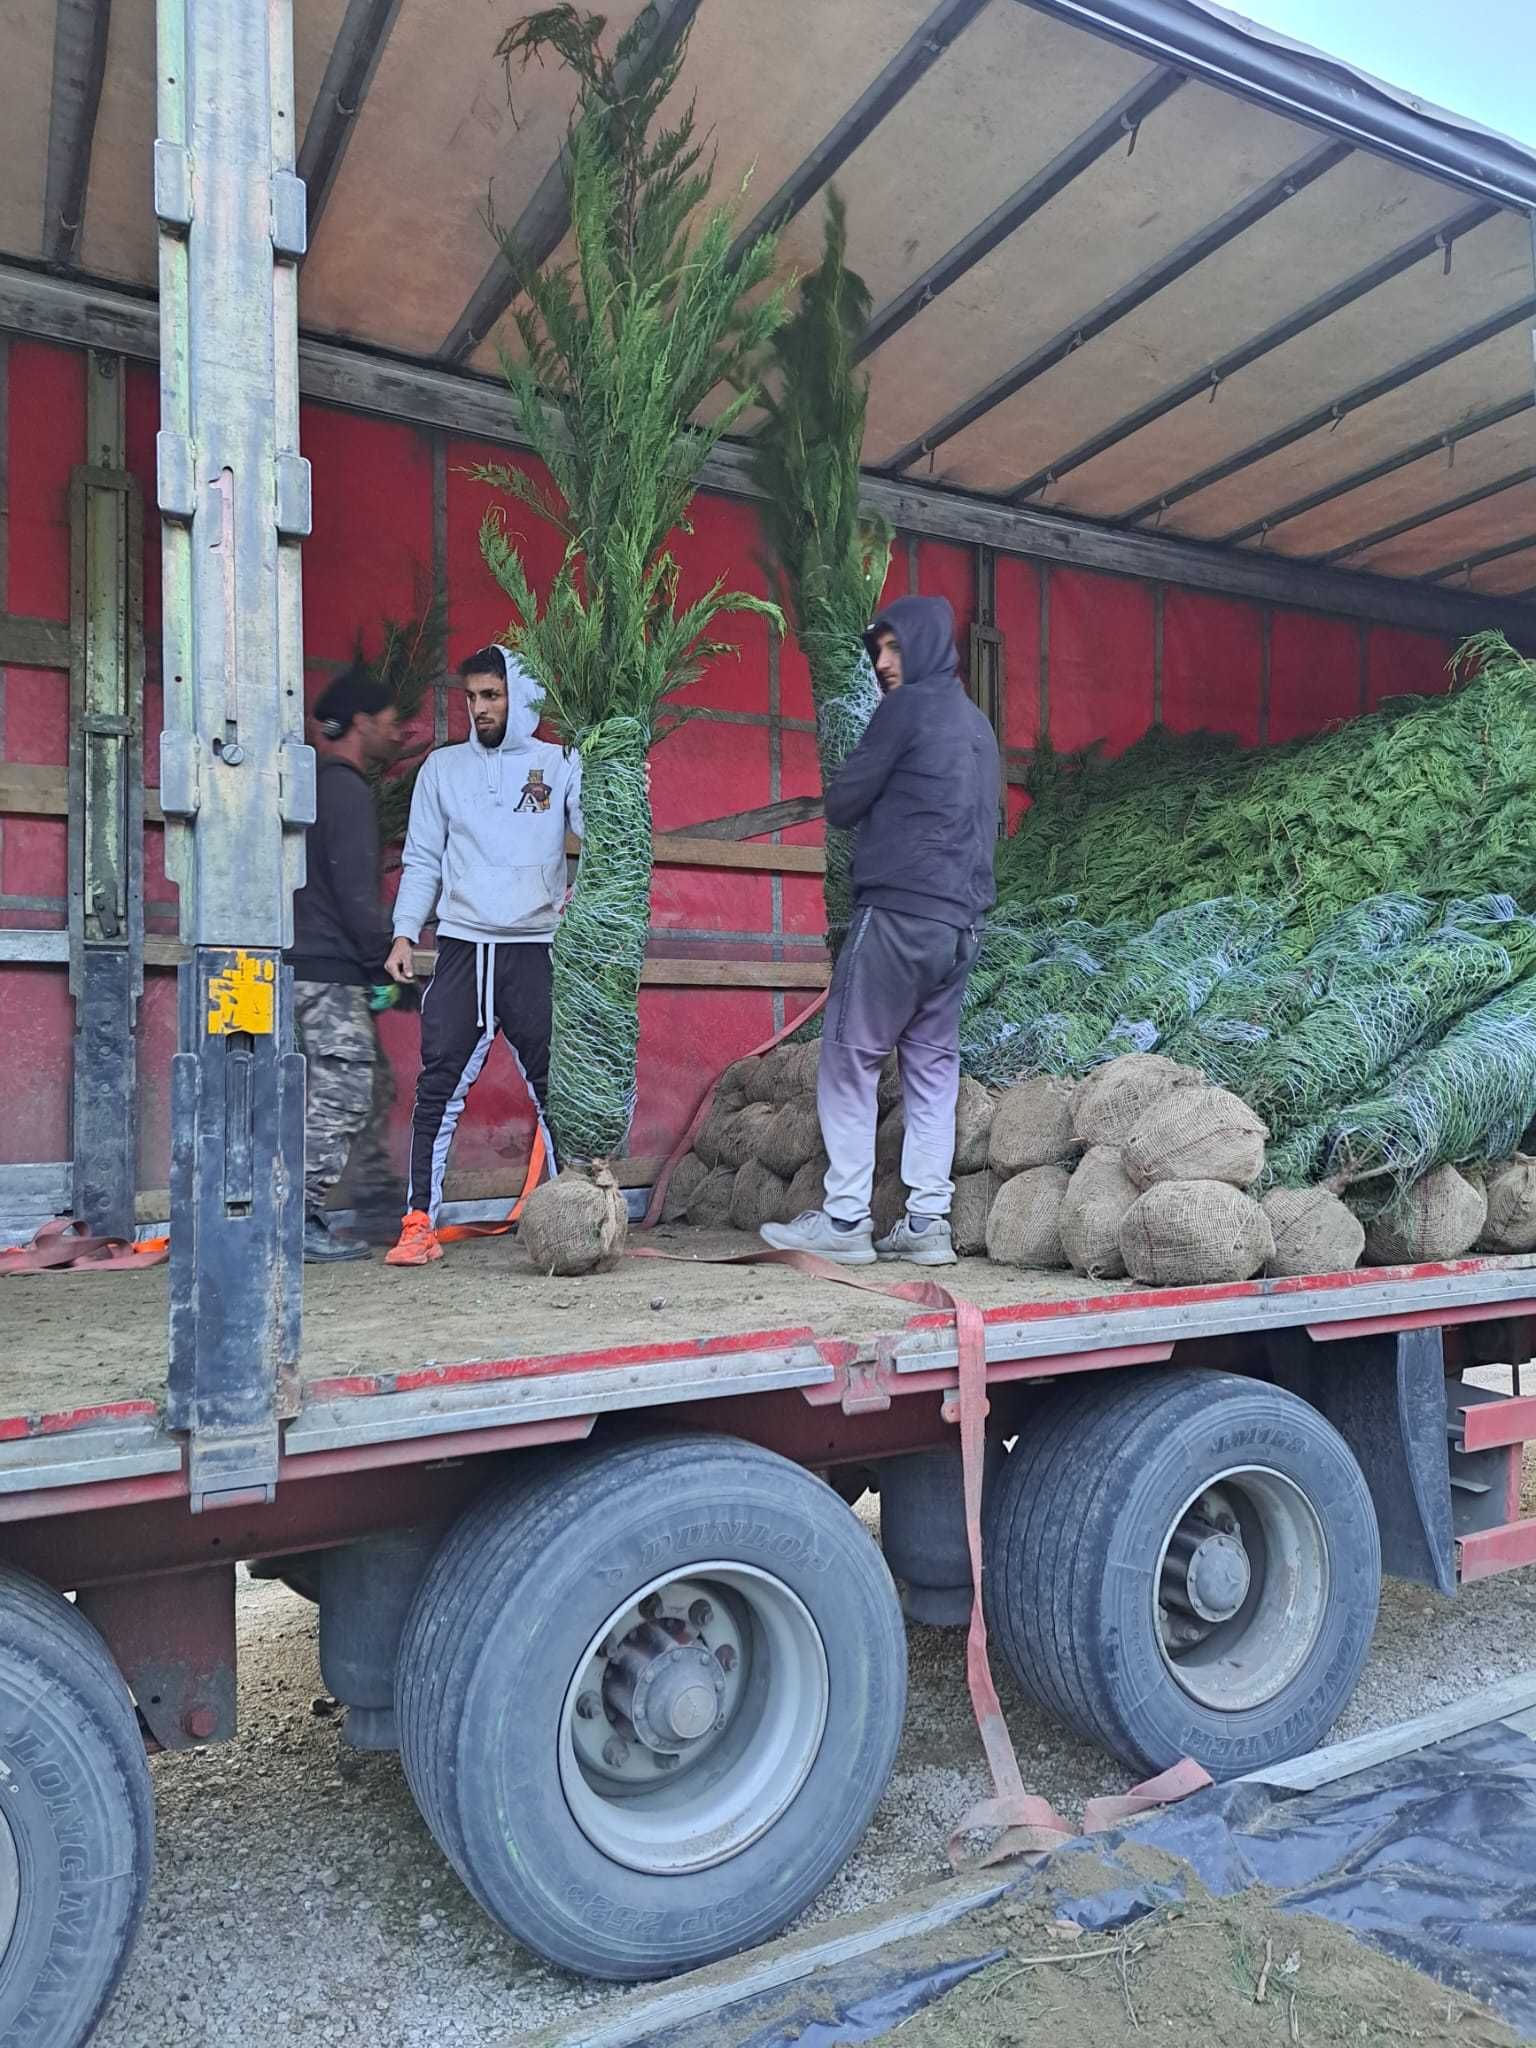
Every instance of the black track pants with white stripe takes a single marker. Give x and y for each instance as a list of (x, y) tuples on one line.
[(476, 988)]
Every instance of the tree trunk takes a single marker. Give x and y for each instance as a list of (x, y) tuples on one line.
[(598, 955)]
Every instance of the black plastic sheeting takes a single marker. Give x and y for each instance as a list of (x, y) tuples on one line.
[(1430, 1857), (866, 1999)]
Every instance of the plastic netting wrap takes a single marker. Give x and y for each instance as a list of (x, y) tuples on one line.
[(841, 716), (1041, 1013), (1467, 1099), (599, 952), (1163, 978), (1377, 1006)]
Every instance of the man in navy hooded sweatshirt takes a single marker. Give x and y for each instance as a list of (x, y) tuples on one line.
[(922, 789)]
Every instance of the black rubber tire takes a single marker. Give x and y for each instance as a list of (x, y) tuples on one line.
[(75, 1793), (1073, 1528), (512, 1599)]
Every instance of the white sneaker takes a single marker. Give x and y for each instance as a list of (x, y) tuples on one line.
[(934, 1246), (816, 1232)]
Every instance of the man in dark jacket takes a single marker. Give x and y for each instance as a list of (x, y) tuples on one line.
[(340, 939), (923, 788)]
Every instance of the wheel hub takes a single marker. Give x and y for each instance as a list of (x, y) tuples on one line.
[(664, 1684), (1207, 1575)]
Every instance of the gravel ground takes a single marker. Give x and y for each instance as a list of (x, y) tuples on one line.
[(299, 1898)]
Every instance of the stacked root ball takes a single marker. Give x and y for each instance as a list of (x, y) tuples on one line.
[(1138, 1171), (1142, 1170)]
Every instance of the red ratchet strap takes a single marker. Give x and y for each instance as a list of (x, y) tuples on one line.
[(1022, 1823), (684, 1145), (454, 1233), (65, 1245)]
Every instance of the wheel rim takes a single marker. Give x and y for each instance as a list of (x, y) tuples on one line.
[(10, 1884), (1241, 1588), (693, 1718)]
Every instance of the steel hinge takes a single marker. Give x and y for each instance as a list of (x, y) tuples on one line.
[(175, 475), (290, 216), (293, 497), (867, 1380), (296, 783), (173, 185)]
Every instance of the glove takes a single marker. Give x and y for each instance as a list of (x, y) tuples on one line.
[(383, 995)]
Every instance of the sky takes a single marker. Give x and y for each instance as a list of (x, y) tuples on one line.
[(1475, 57)]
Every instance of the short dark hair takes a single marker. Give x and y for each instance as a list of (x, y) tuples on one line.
[(486, 661), (352, 694)]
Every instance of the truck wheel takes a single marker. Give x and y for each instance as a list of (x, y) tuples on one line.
[(649, 1698), (76, 1819), (1184, 1563)]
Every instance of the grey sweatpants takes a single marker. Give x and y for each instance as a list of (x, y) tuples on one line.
[(896, 988)]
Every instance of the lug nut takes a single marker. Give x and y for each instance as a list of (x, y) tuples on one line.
[(615, 1753), (701, 1614), (587, 1706)]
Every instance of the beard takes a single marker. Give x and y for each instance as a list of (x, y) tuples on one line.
[(491, 736)]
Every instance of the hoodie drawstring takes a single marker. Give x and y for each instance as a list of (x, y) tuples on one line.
[(485, 983)]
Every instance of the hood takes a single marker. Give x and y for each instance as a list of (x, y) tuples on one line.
[(525, 695), (925, 630)]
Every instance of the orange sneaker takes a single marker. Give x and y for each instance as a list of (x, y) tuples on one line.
[(418, 1245)]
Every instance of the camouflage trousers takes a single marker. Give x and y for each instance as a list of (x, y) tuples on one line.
[(349, 1089)]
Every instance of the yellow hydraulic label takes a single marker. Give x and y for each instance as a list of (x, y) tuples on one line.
[(244, 997)]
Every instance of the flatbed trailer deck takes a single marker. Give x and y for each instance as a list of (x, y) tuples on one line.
[(485, 1342)]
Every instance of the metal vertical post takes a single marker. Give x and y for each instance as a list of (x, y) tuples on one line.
[(988, 661), (237, 781), (106, 809)]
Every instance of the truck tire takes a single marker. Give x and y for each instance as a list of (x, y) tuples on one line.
[(76, 1819), (1184, 1563), (694, 1592)]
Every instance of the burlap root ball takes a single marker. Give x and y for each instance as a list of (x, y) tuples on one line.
[(790, 1137), (769, 1079), (1097, 1199), (974, 1196), (734, 1083), (757, 1197), (890, 1136), (1439, 1217), (688, 1176), (802, 1064), (889, 1204), (709, 1207), (1108, 1102), (711, 1133), (807, 1190), (741, 1135), (973, 1127), (1196, 1134), (1024, 1227), (1183, 1233), (1032, 1126), (1511, 1220), (576, 1223), (1314, 1232)]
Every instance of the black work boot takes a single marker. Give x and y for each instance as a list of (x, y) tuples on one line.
[(322, 1246)]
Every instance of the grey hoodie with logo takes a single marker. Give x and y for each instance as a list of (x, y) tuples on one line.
[(486, 842)]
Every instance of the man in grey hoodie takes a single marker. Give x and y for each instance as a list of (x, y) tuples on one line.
[(485, 849), (922, 788)]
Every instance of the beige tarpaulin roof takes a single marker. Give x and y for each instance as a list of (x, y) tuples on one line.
[(1132, 259)]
